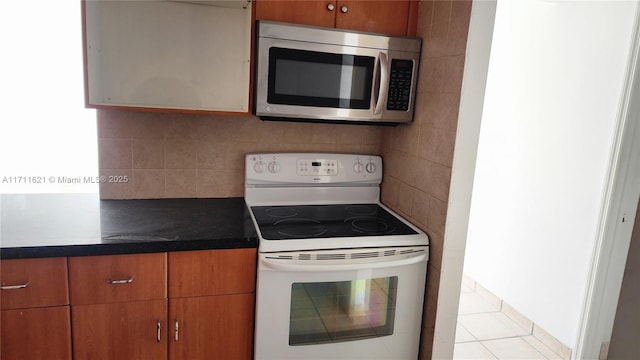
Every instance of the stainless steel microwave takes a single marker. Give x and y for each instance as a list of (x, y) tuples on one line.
[(322, 74)]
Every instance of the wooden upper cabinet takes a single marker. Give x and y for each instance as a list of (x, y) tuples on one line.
[(393, 17), (115, 278), (312, 12), (388, 17), (34, 283), (211, 272)]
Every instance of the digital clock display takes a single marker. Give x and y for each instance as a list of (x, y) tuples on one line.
[(316, 163)]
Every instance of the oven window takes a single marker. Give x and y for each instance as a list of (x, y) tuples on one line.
[(342, 311), (309, 78)]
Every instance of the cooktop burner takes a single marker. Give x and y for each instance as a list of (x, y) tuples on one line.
[(327, 221)]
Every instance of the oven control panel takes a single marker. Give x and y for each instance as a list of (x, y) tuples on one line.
[(303, 168), (314, 167)]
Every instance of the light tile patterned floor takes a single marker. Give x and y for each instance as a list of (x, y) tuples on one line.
[(484, 332)]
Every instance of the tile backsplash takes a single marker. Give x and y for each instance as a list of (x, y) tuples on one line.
[(171, 155)]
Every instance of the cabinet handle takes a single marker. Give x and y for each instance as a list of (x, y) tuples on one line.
[(158, 331), (344, 9), (14, 287), (330, 6), (123, 281), (175, 334)]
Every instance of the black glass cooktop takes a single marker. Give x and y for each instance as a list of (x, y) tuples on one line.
[(327, 221)]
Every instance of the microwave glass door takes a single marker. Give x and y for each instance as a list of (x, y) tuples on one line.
[(325, 312), (319, 79)]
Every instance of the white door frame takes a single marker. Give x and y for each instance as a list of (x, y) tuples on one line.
[(619, 199), (474, 82), (617, 217)]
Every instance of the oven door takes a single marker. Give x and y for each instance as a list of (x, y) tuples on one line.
[(340, 304)]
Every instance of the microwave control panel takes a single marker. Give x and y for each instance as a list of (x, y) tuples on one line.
[(400, 79)]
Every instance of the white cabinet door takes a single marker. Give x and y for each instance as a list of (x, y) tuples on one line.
[(168, 54)]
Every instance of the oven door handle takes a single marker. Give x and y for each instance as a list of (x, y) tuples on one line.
[(331, 265)]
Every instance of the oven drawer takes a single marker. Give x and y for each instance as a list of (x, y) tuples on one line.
[(117, 278)]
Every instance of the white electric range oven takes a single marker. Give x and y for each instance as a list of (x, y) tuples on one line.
[(340, 276)]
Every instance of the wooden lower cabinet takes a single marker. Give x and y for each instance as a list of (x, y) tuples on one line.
[(36, 333), (127, 330), (212, 327), (121, 309)]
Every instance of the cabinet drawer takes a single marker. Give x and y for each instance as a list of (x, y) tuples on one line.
[(212, 272), (34, 283), (116, 278)]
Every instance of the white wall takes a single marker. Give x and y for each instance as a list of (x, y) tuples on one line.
[(553, 91)]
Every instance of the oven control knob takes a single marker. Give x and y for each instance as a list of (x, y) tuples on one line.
[(274, 167), (358, 167), (371, 167), (259, 167)]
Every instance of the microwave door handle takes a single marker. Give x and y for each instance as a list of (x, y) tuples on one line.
[(384, 83)]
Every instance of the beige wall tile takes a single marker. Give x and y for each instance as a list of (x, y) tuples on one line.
[(447, 112), (252, 130), (121, 189), (148, 184), (425, 14), (407, 169), (148, 125), (405, 138), (180, 154), (219, 183), (180, 183), (181, 126), (420, 208), (117, 126), (437, 216), (390, 191), (215, 129), (436, 243), (148, 154), (114, 154), (444, 146), (212, 155), (459, 28), (298, 133), (429, 314), (453, 70), (432, 70), (427, 142), (406, 195)]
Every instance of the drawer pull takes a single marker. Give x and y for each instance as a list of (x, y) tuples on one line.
[(175, 334), (158, 331), (118, 282), (14, 287)]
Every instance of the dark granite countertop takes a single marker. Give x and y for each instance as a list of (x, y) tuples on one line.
[(48, 225)]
